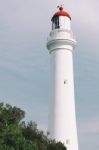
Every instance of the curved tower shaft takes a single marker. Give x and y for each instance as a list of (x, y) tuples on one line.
[(62, 119)]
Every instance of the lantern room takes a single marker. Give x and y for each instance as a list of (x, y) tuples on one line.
[(61, 19)]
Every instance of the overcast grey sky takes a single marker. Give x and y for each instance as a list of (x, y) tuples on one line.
[(24, 61)]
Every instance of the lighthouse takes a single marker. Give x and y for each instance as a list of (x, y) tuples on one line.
[(62, 116)]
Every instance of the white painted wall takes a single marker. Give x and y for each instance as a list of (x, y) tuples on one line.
[(62, 109)]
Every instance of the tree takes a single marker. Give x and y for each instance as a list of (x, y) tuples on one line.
[(11, 137), (56, 146), (15, 134)]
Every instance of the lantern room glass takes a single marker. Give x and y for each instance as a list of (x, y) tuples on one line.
[(55, 23)]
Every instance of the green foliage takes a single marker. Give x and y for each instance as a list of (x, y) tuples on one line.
[(17, 135), (10, 115), (56, 146)]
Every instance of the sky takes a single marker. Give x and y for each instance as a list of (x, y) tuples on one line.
[(25, 66)]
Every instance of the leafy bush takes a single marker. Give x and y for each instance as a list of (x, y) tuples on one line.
[(17, 135)]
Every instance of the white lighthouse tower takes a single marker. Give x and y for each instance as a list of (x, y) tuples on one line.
[(62, 118)]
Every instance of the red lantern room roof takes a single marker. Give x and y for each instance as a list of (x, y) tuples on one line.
[(61, 12)]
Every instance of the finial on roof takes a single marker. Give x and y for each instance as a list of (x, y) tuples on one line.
[(60, 7)]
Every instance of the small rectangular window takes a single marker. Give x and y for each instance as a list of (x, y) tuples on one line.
[(55, 23)]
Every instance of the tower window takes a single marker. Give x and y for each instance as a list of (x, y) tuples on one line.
[(67, 141), (55, 23), (65, 81)]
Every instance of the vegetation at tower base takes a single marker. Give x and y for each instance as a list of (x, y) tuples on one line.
[(15, 134)]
